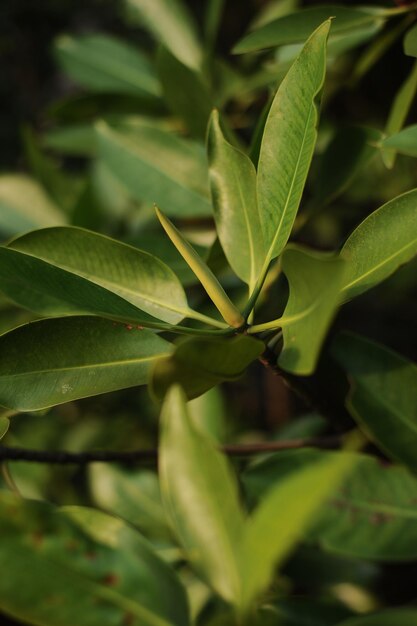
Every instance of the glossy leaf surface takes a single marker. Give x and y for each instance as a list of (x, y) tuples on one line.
[(105, 64), (314, 280), (157, 167), (233, 189), (80, 357), (201, 497), (82, 567), (383, 397), (25, 205), (299, 25), (381, 244), (372, 515), (172, 25), (288, 142), (198, 364), (88, 272)]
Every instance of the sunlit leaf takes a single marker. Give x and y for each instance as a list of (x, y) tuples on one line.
[(381, 244), (172, 25), (233, 188), (67, 270), (372, 515), (201, 497), (288, 142)]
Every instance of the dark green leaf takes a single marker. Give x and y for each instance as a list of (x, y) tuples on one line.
[(106, 64), (399, 112), (349, 151), (83, 567), (399, 617), (381, 244), (185, 92), (53, 361), (383, 398), (199, 364), (298, 26), (314, 280), (157, 167)]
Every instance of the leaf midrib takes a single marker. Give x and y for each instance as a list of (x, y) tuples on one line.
[(88, 366), (375, 268), (285, 209), (105, 283)]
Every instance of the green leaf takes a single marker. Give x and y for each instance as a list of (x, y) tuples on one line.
[(74, 139), (157, 167), (132, 495), (404, 142), (383, 242), (214, 290), (314, 280), (82, 567), (383, 396), (377, 500), (233, 189), (185, 93), (198, 364), (24, 205), (61, 270), (101, 63), (347, 154), (172, 25), (61, 187), (4, 426), (298, 26), (282, 518), (399, 112), (410, 42), (399, 617), (200, 494), (53, 361), (288, 142)]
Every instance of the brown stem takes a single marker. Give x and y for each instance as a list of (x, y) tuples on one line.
[(151, 455)]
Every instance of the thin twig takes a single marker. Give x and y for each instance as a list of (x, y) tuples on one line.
[(150, 455)]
